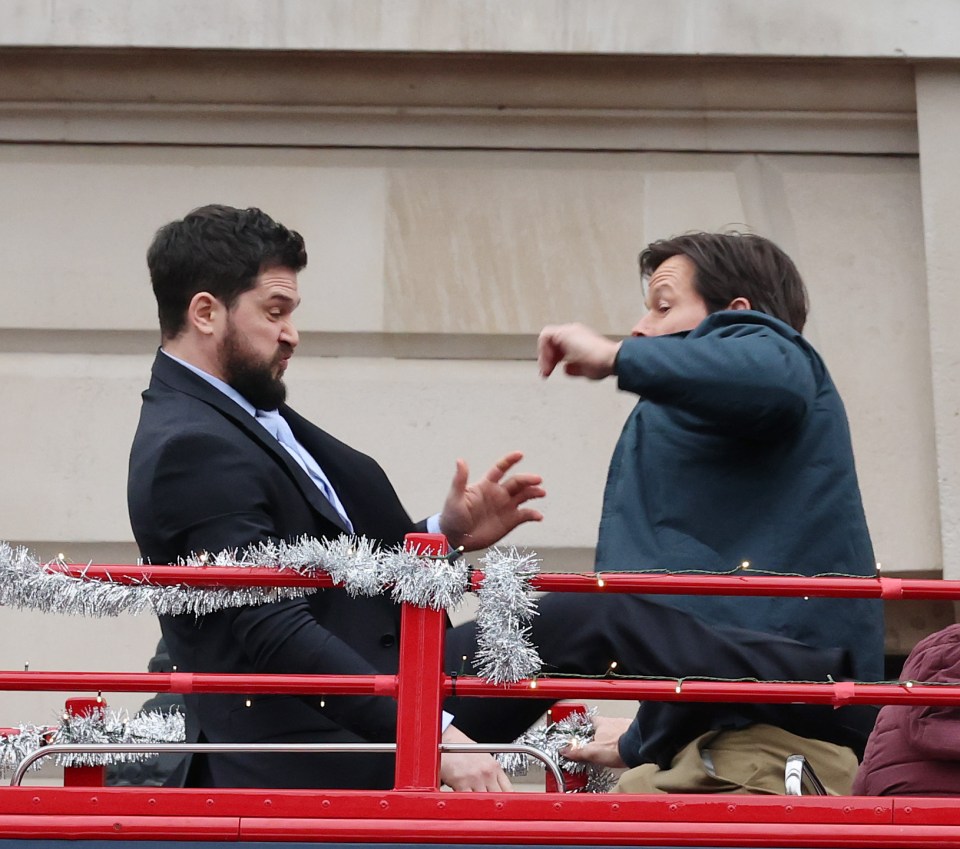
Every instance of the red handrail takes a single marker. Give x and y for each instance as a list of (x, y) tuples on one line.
[(422, 814), (546, 687), (741, 583)]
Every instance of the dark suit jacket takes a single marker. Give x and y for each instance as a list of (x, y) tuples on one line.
[(205, 476)]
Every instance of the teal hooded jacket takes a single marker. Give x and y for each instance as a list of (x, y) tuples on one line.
[(738, 451)]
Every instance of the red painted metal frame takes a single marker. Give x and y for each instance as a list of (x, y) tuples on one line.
[(417, 812), (419, 690), (482, 818), (84, 776), (666, 690), (742, 583)]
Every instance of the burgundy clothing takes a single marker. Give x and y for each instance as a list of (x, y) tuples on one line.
[(914, 750)]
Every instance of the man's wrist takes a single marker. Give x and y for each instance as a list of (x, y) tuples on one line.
[(615, 361)]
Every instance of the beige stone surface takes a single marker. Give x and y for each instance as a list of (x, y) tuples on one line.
[(856, 28), (91, 200), (939, 122), (506, 246)]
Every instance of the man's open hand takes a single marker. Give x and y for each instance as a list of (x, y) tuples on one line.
[(479, 514)]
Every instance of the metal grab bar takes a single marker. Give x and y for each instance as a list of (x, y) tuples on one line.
[(797, 771), (160, 748)]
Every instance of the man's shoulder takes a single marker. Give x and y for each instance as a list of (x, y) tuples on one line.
[(176, 397), (179, 423), (761, 329), (746, 323)]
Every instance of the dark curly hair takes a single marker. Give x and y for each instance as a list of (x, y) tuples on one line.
[(216, 249)]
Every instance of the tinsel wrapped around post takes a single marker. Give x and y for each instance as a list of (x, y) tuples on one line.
[(504, 650), (355, 563), (551, 738), (108, 727)]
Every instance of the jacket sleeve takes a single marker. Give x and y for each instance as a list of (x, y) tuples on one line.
[(742, 378), (213, 497), (630, 744), (285, 637)]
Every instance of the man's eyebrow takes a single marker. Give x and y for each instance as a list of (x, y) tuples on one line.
[(283, 296), (656, 287)]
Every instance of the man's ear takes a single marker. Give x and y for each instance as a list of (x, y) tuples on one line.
[(739, 304), (203, 312)]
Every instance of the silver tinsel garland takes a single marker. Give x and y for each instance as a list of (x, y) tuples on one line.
[(505, 654), (575, 729), (115, 727), (504, 651), (91, 728)]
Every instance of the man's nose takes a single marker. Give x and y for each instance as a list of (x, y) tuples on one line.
[(640, 328), (290, 335)]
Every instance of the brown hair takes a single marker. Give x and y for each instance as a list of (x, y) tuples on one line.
[(737, 265)]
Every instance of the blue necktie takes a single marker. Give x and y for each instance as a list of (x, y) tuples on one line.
[(278, 428)]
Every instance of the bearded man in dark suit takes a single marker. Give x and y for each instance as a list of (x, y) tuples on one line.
[(219, 462)]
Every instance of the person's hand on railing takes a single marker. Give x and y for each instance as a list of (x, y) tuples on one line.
[(470, 772), (603, 749)]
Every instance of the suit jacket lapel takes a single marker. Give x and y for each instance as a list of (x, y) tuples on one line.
[(183, 380)]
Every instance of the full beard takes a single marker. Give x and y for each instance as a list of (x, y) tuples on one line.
[(255, 379)]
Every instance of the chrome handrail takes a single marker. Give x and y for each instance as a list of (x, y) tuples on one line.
[(160, 748), (797, 771)]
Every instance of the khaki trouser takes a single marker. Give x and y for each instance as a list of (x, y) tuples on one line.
[(750, 760)]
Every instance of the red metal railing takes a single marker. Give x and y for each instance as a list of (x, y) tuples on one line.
[(417, 812), (741, 583)]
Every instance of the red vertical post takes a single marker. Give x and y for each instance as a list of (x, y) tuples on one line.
[(571, 782), (419, 683), (84, 776)]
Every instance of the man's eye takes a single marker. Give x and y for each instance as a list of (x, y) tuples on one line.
[(663, 308)]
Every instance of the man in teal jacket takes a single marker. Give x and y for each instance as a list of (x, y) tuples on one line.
[(738, 452)]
